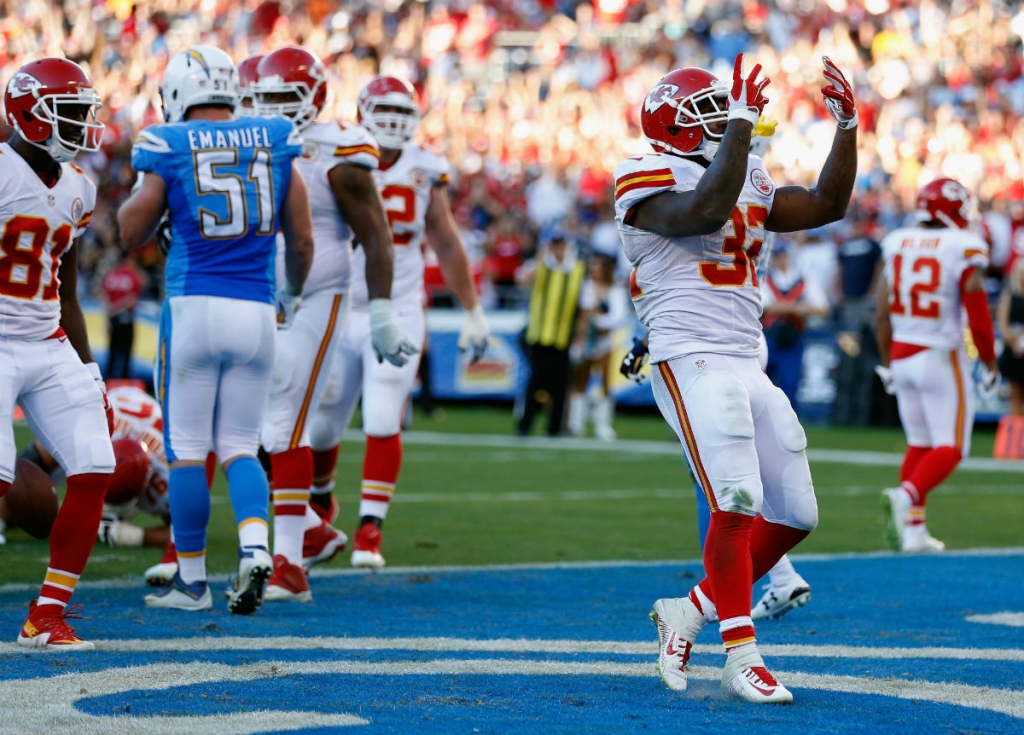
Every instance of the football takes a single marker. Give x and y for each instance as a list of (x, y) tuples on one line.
[(31, 502)]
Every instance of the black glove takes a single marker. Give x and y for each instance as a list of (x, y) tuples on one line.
[(163, 234), (634, 361)]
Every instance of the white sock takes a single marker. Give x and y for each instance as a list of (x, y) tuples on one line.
[(192, 568), (781, 573)]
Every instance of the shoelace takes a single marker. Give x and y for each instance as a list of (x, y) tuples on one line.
[(765, 676), (59, 621)]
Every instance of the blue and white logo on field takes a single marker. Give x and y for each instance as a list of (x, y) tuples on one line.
[(932, 643)]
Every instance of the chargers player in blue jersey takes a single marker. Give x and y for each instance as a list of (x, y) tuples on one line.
[(229, 185)]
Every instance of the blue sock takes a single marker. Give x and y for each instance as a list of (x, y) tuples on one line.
[(189, 497), (250, 491)]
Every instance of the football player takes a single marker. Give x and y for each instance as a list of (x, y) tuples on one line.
[(46, 366), (693, 217), (412, 183), (933, 272), (230, 185), (338, 160)]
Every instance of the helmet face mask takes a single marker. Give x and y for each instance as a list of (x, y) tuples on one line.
[(685, 113), (388, 110), (290, 82), (199, 75), (52, 105)]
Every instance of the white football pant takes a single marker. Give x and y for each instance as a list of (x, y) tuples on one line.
[(384, 387), (935, 400), (214, 368), (305, 353), (741, 436), (61, 401)]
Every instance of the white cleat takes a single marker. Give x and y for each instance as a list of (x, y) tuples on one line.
[(245, 592), (896, 506), (679, 622), (779, 600), (917, 540), (176, 595), (746, 676)]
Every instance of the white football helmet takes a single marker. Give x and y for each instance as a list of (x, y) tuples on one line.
[(199, 75)]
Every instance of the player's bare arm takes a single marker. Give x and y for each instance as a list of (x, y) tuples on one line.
[(359, 202), (709, 205), (297, 227), (140, 214), (443, 236), (883, 327), (979, 319), (798, 208), (72, 321)]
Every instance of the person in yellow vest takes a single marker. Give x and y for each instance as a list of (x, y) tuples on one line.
[(788, 299), (552, 332)]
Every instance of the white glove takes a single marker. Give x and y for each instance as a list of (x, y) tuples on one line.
[(989, 383), (474, 334), (287, 306), (386, 338), (887, 382), (115, 532)]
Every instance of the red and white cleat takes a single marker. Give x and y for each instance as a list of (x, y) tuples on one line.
[(679, 622), (321, 543), (161, 574), (288, 582), (47, 629), (366, 547), (746, 676)]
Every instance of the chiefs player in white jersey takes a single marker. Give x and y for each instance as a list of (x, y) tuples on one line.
[(933, 273), (337, 162), (46, 366), (412, 183), (693, 217)]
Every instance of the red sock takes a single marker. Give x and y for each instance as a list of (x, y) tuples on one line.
[(4, 487), (911, 459), (73, 536), (768, 542), (292, 471), (325, 465), (933, 468), (211, 468), (727, 561), (381, 466)]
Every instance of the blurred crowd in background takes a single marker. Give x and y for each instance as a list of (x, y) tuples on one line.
[(535, 102)]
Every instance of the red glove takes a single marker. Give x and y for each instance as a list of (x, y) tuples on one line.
[(839, 96), (94, 371), (746, 98)]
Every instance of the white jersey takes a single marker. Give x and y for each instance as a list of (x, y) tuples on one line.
[(923, 270), (137, 416), (326, 145), (700, 293), (39, 224), (406, 187)]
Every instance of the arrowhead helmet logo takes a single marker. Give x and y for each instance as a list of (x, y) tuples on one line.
[(659, 96), (22, 84)]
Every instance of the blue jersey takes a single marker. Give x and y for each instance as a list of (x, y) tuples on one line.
[(226, 182)]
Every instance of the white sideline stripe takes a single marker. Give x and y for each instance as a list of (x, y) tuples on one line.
[(1013, 619), (136, 582), (523, 645), (642, 446), (48, 704)]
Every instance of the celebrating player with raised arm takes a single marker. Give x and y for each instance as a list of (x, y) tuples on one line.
[(46, 366), (229, 184), (693, 217), (338, 160), (412, 183), (931, 271)]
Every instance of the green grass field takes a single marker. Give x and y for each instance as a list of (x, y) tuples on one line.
[(460, 504)]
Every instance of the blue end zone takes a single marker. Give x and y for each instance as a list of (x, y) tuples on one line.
[(874, 625)]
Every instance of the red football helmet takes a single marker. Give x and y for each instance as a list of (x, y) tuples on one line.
[(131, 474), (292, 71), (391, 128), (37, 100), (946, 201), (678, 110), (247, 76)]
